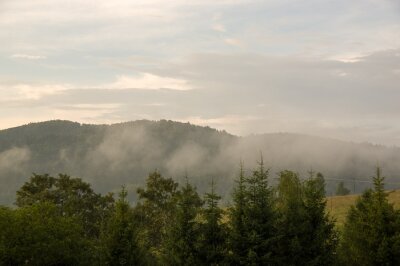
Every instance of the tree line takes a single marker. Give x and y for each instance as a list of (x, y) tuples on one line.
[(62, 221)]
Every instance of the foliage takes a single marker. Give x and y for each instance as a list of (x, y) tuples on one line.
[(181, 247), (371, 234), (155, 210), (253, 219), (39, 235), (119, 238), (237, 221), (213, 233), (292, 222), (72, 196), (57, 219), (321, 238), (306, 234)]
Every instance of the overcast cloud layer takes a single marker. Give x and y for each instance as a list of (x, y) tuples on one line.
[(329, 68)]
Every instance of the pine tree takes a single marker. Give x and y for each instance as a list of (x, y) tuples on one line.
[(183, 234), (237, 220), (253, 219), (306, 234), (292, 223), (260, 218), (120, 239), (371, 234), (212, 242), (321, 237)]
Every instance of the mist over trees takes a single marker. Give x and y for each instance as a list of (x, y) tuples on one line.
[(111, 156)]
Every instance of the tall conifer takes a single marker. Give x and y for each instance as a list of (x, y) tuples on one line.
[(181, 246), (213, 233), (371, 234)]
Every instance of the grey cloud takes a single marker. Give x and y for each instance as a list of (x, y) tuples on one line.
[(357, 101)]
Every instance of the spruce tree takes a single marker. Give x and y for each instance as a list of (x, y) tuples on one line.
[(238, 241), (292, 222), (321, 237), (120, 241), (213, 233), (371, 233), (183, 233), (260, 218), (253, 219), (306, 234)]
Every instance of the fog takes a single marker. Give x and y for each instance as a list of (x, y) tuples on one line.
[(127, 154), (13, 164), (124, 154)]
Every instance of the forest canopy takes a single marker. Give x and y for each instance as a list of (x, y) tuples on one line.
[(173, 224)]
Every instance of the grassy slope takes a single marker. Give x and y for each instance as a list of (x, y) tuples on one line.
[(339, 205)]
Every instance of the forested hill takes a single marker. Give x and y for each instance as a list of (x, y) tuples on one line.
[(108, 156)]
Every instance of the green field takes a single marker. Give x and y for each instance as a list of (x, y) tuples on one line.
[(338, 206)]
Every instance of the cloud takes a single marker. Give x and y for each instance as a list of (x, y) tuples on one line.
[(219, 27), (172, 29), (222, 122), (26, 91), (148, 81), (90, 107), (296, 66), (246, 93), (296, 94), (23, 92), (28, 57), (233, 42)]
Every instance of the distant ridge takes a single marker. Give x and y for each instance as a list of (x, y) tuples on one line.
[(124, 153)]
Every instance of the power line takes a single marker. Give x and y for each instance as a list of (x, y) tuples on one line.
[(360, 181), (352, 180)]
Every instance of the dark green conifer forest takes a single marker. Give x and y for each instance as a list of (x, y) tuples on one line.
[(62, 221)]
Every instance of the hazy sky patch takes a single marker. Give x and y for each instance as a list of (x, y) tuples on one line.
[(317, 67)]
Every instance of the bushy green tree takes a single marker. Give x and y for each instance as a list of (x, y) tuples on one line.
[(39, 235), (371, 233), (213, 233), (72, 197), (120, 236), (182, 244), (8, 236), (157, 203)]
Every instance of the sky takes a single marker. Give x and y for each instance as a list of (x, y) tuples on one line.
[(320, 67)]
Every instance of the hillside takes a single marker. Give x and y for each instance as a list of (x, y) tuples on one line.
[(109, 156), (338, 206)]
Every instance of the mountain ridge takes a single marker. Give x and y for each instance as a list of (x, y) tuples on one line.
[(75, 123), (109, 156)]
